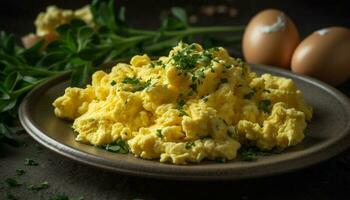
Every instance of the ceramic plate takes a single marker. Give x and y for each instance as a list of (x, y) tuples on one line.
[(326, 135)]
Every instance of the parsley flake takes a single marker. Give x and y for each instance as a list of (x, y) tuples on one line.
[(267, 91), (180, 107), (132, 81), (12, 182), (137, 84), (206, 138), (30, 162), (65, 197), (20, 172), (159, 133), (119, 146), (249, 95), (41, 186), (265, 106), (189, 145), (224, 80)]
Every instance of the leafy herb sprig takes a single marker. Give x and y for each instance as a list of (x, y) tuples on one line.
[(80, 49)]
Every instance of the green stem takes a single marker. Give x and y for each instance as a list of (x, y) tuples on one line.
[(190, 30), (39, 71), (26, 89)]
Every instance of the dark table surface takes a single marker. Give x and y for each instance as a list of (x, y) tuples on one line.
[(327, 180)]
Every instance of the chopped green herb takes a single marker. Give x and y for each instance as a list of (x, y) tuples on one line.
[(41, 186), (159, 133), (213, 50), (228, 66), (180, 107), (265, 106), (193, 86), (20, 172), (267, 91), (10, 196), (132, 81), (205, 58), (30, 162), (201, 73), (65, 197), (194, 78), (123, 146), (206, 138), (224, 80), (137, 84), (181, 104), (183, 113), (157, 62), (247, 154), (119, 146), (189, 145), (212, 69), (113, 83), (251, 153), (185, 60), (12, 182), (249, 95)]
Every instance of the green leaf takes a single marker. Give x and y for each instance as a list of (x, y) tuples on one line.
[(180, 14), (30, 79), (6, 105), (11, 81), (121, 14), (41, 186), (7, 43), (30, 162), (5, 95), (103, 14), (81, 75), (119, 146), (33, 54), (84, 37), (8, 136), (265, 106), (12, 182), (20, 172)]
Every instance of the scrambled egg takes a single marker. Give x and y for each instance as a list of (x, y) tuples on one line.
[(47, 22), (194, 104)]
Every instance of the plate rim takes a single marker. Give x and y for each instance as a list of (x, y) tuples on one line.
[(321, 153)]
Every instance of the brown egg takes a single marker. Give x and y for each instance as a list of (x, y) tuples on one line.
[(325, 55), (270, 38)]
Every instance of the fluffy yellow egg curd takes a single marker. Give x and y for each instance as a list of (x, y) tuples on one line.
[(194, 104)]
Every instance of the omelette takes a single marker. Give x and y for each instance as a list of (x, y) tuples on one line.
[(194, 104)]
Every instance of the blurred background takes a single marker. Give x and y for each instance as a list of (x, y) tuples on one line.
[(17, 16)]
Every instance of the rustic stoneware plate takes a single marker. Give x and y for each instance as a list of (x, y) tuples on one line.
[(326, 135)]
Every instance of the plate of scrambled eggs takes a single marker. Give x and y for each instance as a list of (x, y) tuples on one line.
[(193, 114)]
